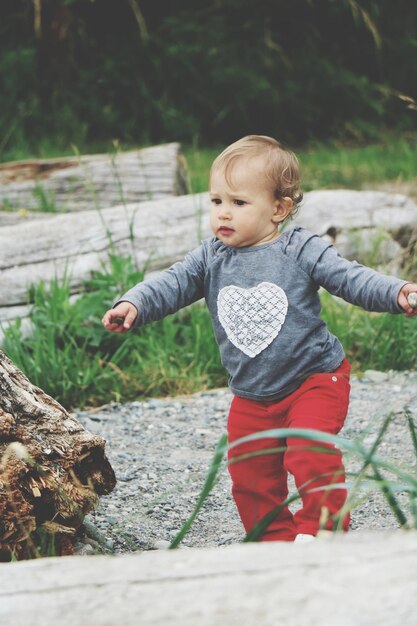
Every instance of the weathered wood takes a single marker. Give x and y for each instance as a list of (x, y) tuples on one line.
[(51, 469), (158, 233), (352, 580), (155, 233), (362, 225), (89, 181), (7, 218), (344, 209)]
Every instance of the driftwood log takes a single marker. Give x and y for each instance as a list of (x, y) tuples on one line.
[(91, 181), (362, 579), (158, 233), (52, 471), (154, 233), (363, 225)]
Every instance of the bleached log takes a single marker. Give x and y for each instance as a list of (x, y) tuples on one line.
[(349, 580), (51, 469), (154, 233), (158, 233), (369, 226), (90, 181), (7, 218), (344, 209), (8, 313)]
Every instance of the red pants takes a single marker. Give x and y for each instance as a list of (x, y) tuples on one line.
[(260, 482)]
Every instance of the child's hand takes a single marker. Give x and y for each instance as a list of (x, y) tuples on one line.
[(121, 318), (407, 300)]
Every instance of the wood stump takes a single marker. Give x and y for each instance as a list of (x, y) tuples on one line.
[(52, 471)]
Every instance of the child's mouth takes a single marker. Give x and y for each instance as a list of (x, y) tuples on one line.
[(224, 230)]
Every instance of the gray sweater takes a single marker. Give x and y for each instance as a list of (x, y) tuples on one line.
[(265, 306)]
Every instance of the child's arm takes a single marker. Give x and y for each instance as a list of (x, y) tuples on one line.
[(364, 286), (159, 296), (355, 283)]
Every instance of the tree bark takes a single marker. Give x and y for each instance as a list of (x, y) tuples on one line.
[(52, 471)]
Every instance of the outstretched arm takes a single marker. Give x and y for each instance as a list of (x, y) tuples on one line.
[(163, 294), (356, 283)]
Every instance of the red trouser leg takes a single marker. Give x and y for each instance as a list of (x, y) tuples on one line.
[(260, 482), (320, 404)]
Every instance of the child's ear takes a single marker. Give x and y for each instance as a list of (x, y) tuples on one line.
[(283, 208)]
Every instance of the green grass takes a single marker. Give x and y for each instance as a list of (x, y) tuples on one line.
[(329, 166), (73, 358), (47, 149), (332, 165), (372, 340), (199, 161)]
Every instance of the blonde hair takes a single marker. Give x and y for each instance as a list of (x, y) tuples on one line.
[(281, 165)]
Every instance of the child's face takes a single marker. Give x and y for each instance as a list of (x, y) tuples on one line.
[(244, 212)]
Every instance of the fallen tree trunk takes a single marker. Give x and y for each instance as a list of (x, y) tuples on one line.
[(158, 233), (52, 470), (154, 233), (358, 579), (90, 181)]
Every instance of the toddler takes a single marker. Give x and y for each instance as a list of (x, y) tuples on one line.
[(286, 369)]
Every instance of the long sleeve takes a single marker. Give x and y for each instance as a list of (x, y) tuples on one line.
[(355, 283), (358, 284), (170, 290)]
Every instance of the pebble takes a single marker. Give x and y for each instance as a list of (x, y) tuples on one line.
[(161, 450), (84, 549), (376, 377)]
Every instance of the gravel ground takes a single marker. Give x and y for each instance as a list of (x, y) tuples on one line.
[(161, 449)]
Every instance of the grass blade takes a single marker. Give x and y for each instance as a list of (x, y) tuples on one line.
[(391, 499), (257, 531), (412, 428), (208, 486)]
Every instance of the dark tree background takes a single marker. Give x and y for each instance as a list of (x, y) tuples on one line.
[(79, 71)]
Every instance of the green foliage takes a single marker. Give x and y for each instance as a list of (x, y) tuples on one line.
[(208, 72), (73, 358), (334, 165), (372, 340), (199, 163), (46, 202)]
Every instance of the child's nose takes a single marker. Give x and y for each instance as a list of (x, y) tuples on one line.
[(224, 211)]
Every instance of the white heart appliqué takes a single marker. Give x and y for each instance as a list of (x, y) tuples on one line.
[(252, 318)]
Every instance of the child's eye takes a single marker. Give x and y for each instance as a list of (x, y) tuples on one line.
[(216, 201), (240, 202)]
